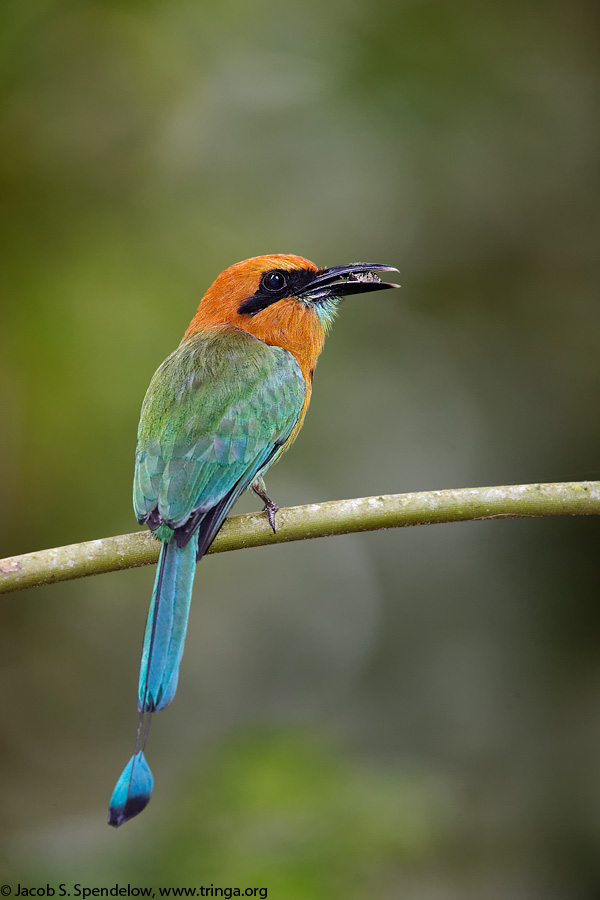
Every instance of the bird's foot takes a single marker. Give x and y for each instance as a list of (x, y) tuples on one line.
[(270, 507)]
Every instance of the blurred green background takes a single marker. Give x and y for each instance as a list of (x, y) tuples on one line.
[(403, 714)]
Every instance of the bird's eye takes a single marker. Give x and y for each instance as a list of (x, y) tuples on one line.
[(274, 281)]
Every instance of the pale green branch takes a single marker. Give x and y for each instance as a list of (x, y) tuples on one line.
[(316, 520)]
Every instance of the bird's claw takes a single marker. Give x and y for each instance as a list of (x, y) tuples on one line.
[(270, 507)]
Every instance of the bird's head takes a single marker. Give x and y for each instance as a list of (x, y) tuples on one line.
[(284, 300)]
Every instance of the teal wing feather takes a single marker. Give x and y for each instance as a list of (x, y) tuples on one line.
[(214, 417)]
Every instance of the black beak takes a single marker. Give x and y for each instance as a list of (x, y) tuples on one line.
[(353, 278)]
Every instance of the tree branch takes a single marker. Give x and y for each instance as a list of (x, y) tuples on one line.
[(316, 520)]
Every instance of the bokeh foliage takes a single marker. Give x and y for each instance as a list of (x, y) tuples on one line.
[(409, 713)]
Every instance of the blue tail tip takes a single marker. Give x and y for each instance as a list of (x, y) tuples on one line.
[(132, 791)]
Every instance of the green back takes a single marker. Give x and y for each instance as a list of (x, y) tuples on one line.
[(213, 414)]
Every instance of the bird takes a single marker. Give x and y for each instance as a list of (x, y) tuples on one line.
[(219, 411)]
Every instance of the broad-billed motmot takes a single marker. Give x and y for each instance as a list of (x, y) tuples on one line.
[(218, 412)]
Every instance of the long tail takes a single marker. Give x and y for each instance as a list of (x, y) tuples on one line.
[(159, 670)]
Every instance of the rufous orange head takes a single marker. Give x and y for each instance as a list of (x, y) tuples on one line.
[(284, 300)]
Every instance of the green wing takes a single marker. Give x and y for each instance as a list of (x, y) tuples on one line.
[(216, 413)]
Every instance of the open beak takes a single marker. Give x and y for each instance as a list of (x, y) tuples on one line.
[(353, 278)]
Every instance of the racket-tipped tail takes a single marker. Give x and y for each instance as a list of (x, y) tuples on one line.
[(132, 791)]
